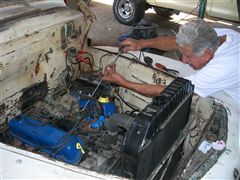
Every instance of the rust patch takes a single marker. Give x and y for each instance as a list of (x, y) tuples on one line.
[(2, 108), (37, 67), (51, 76), (32, 94), (26, 35), (50, 51)]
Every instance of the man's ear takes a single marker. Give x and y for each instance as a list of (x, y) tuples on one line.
[(208, 54)]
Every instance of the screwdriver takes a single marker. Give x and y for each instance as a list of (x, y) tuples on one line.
[(100, 82)]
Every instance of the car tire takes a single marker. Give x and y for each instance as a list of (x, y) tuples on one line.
[(164, 12), (128, 12)]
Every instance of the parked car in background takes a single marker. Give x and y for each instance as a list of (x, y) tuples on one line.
[(129, 12)]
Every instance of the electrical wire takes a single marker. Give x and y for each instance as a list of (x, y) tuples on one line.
[(120, 102), (67, 136), (100, 61), (135, 57), (3, 129), (126, 102), (87, 60), (42, 123), (140, 55), (64, 138)]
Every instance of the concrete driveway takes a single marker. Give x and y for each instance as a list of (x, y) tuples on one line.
[(106, 30)]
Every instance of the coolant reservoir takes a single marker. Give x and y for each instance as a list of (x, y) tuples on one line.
[(109, 108)]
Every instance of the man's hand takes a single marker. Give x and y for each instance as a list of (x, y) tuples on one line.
[(111, 75), (131, 45), (164, 43)]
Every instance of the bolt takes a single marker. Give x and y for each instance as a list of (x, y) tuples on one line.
[(18, 161)]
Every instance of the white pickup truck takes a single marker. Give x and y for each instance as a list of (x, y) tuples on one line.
[(129, 12)]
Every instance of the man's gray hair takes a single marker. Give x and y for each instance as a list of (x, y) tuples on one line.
[(198, 34)]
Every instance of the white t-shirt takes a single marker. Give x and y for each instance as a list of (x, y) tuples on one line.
[(222, 72)]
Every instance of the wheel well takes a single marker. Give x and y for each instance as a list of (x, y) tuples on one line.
[(141, 2), (144, 2)]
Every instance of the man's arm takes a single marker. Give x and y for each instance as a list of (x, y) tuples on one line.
[(149, 90), (164, 43)]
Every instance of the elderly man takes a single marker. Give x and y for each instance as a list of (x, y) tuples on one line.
[(213, 52)]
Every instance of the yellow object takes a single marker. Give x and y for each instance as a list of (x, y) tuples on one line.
[(103, 99), (79, 146)]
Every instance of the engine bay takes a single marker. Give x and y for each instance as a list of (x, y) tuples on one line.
[(68, 119), (87, 126)]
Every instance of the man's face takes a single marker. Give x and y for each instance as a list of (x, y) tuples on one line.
[(197, 62)]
